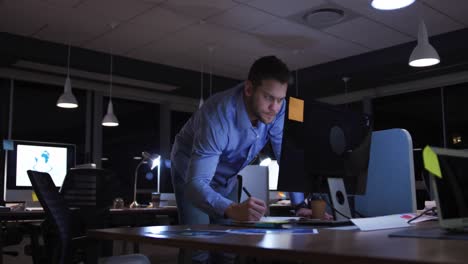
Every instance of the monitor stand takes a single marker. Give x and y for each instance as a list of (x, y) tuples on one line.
[(339, 198)]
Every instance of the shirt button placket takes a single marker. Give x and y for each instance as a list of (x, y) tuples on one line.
[(249, 156)]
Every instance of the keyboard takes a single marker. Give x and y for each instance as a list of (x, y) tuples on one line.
[(33, 209)]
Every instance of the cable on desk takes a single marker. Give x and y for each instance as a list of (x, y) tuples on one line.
[(433, 210), (358, 214), (334, 209)]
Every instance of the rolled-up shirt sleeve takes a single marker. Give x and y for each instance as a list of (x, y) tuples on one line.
[(209, 141)]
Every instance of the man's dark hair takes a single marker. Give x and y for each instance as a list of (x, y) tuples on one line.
[(268, 68)]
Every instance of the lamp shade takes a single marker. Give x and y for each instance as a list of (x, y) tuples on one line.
[(154, 158), (67, 99), (110, 119), (390, 4), (424, 53), (265, 162)]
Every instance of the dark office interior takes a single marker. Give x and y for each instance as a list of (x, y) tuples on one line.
[(429, 102)]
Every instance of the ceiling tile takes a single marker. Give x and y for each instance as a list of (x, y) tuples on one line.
[(115, 10), (304, 58), (23, 17), (148, 53), (162, 20), (75, 36), (182, 61), (456, 9), (200, 9), (122, 39), (368, 33), (197, 36), (254, 44), (66, 25), (298, 37), (285, 8), (242, 18), (223, 57), (63, 3), (406, 19)]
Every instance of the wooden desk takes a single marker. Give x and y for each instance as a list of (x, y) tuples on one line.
[(328, 246), (170, 210), (118, 217), (133, 212), (141, 216), (21, 215)]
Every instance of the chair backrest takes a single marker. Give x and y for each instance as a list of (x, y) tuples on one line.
[(88, 187), (90, 190), (56, 210), (390, 180)]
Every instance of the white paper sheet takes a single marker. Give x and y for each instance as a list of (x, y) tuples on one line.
[(381, 222)]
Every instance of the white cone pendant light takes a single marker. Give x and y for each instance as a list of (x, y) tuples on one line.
[(424, 54)]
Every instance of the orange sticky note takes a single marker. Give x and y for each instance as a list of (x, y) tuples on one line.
[(296, 109)]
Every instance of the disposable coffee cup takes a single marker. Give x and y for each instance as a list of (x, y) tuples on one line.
[(155, 199), (318, 208), (118, 203)]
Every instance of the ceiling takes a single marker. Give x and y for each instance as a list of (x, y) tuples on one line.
[(222, 35)]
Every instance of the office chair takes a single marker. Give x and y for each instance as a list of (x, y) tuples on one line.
[(64, 246), (91, 191), (11, 235)]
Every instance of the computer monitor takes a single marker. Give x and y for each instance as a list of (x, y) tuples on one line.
[(450, 185), (273, 171), (329, 142), (53, 158)]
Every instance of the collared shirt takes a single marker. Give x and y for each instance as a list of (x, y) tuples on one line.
[(216, 143)]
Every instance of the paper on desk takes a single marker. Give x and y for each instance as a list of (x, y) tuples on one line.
[(263, 231), (272, 219), (381, 222), (422, 218)]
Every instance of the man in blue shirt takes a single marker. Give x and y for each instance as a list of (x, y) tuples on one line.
[(223, 137)]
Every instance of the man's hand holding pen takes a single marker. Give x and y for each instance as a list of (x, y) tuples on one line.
[(251, 209)]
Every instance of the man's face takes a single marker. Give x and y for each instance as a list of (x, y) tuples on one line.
[(264, 102)]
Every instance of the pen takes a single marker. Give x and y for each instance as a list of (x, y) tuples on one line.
[(246, 192)]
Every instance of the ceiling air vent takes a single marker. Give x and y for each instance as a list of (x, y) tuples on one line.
[(323, 16)]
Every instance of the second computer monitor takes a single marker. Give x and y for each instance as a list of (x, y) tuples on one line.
[(329, 142)]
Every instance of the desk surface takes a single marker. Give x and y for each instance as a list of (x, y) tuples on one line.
[(21, 215), (37, 215), (169, 210), (332, 246)]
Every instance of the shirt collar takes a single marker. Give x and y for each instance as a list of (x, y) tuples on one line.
[(243, 120)]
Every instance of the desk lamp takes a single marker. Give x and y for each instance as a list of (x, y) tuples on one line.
[(155, 159)]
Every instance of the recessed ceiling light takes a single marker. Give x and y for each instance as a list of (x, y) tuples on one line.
[(390, 4)]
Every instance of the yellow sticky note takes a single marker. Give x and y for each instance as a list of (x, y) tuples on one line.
[(431, 162), (296, 109), (34, 197)]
